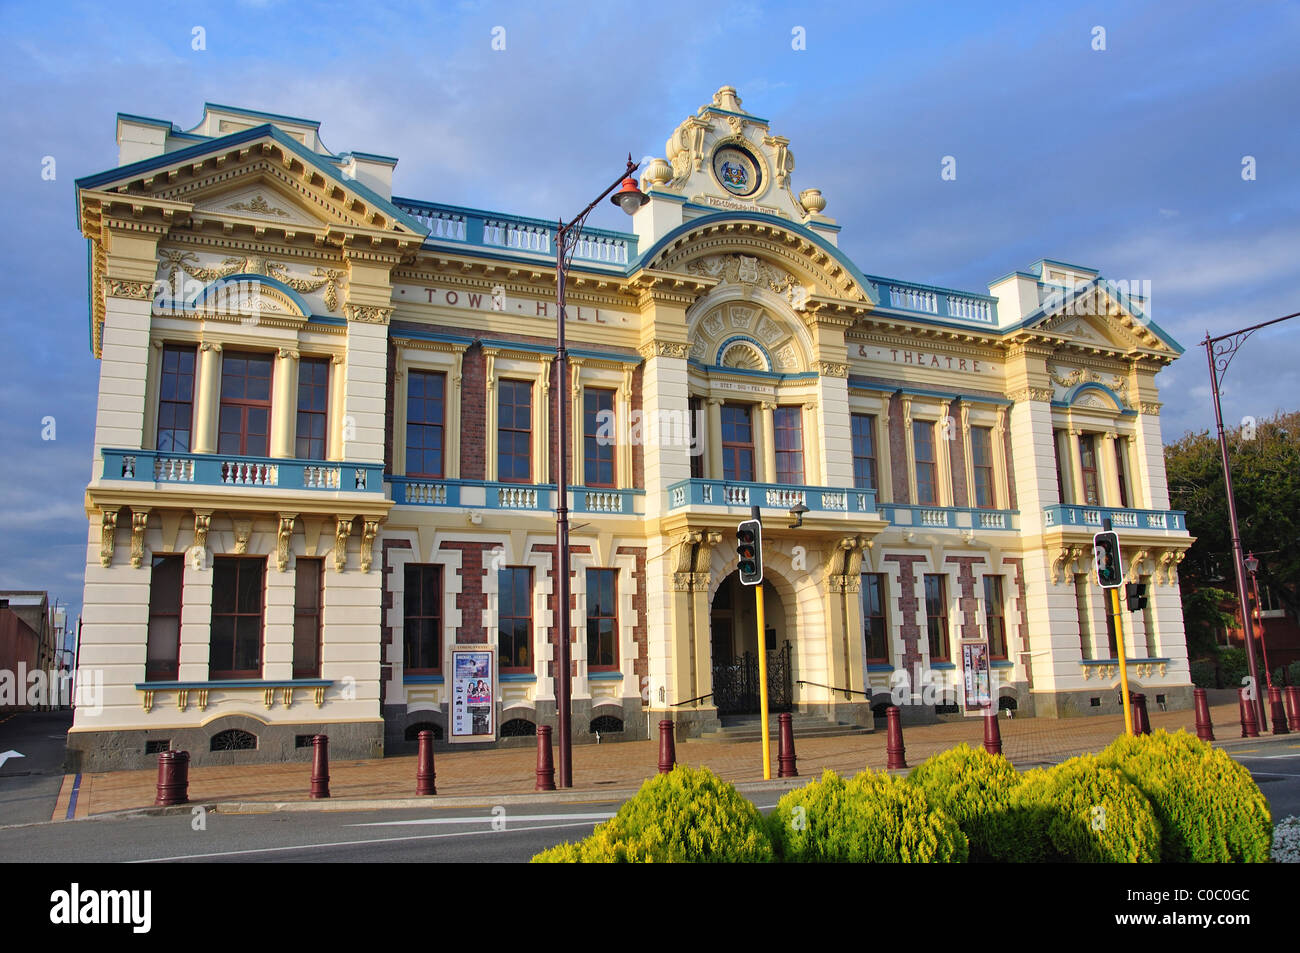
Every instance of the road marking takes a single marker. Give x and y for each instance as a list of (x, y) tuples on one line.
[(488, 818), (348, 843), (1272, 757), (1275, 774), (72, 800), (6, 755)]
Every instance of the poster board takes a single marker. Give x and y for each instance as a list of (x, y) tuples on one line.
[(976, 672), (472, 706)]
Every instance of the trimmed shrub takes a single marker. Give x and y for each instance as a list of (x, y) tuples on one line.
[(975, 789), (1210, 808), (1088, 813), (688, 815), (872, 818)]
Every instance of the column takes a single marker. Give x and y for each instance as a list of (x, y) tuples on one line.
[(766, 471), (338, 420), (1002, 489), (452, 432), (1109, 471), (207, 398), (713, 437), (623, 448), (812, 458), (1077, 492), (284, 403)]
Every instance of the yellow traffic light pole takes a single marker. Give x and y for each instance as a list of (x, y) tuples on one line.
[(762, 682), (1123, 668)]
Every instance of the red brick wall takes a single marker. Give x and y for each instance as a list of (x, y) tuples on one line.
[(471, 601), (958, 461), (19, 643), (1018, 580), (641, 666), (967, 601), (908, 627), (898, 451), (551, 605), (473, 415)]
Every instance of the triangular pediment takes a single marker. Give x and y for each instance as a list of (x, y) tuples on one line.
[(258, 202), (1099, 314)]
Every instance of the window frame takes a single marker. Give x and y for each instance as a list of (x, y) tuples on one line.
[(936, 616), (695, 409), (180, 350), (1121, 471), (993, 585), (311, 413), (318, 614), (871, 459), (238, 562), (1088, 448), (245, 404), (782, 415), (591, 442), (504, 385), (932, 463), (420, 616), (988, 468), (732, 449), (152, 674), (440, 426), (501, 617), (882, 635), (612, 615)]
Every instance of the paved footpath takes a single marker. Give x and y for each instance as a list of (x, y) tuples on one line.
[(607, 770)]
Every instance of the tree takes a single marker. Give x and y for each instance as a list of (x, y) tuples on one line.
[(1265, 460)]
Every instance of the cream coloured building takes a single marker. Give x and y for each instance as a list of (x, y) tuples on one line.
[(324, 455)]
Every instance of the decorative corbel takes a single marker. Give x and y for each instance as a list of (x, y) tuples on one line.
[(139, 523), (202, 523), (836, 560), (107, 537), (853, 564), (684, 564), (703, 556), (369, 529), (342, 530), (282, 538), (243, 532), (1135, 564), (1064, 557)]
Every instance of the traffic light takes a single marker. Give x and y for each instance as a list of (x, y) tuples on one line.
[(1105, 558), (749, 547), (1135, 596)]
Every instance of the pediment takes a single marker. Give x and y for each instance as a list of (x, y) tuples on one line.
[(1099, 315), (261, 202)]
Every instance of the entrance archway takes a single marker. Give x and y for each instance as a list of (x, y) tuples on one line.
[(734, 642)]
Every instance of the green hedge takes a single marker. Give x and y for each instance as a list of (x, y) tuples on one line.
[(1083, 811), (976, 789), (1210, 808), (688, 815), (872, 818)]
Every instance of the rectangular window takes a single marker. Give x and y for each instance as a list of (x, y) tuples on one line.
[(927, 472), (936, 616), (864, 451), (788, 431), (981, 449), (1056, 453), (694, 405), (237, 601), (426, 406), (176, 399), (515, 618), (1084, 611), (737, 443), (598, 437), (245, 416), (1121, 470), (1088, 463), (313, 402), (422, 618), (995, 619), (164, 648), (602, 620), (875, 631), (515, 431), (307, 601)]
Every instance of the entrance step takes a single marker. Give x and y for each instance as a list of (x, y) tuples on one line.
[(748, 728)]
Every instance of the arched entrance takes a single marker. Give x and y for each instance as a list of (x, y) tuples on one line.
[(734, 641)]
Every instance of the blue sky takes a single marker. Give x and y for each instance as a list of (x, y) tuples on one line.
[(1127, 160)]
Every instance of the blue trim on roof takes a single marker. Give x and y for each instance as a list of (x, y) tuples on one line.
[(314, 159), (511, 217), (1073, 294), (728, 112), (748, 340), (670, 196), (820, 241), (207, 107), (373, 157)]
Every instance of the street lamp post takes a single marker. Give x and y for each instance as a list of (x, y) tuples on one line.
[(1252, 567), (1220, 351), (629, 198)]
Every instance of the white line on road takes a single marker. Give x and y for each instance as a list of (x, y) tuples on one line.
[(487, 818), (348, 843), (1266, 757)]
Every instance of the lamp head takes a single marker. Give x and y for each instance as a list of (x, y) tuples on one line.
[(628, 197), (1252, 563)]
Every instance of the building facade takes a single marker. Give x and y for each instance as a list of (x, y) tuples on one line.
[(324, 455)]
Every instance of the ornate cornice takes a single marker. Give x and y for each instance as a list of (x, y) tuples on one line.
[(367, 314), (1031, 394), (658, 348), (135, 290), (832, 369)]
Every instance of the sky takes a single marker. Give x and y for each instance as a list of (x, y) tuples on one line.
[(1118, 136)]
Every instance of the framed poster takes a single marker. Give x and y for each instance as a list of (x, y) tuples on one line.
[(975, 669), (472, 708)]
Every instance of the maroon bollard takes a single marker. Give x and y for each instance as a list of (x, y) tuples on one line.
[(1249, 727), (1141, 723), (1293, 706), (667, 749), (787, 767), (1278, 712), (992, 733), (897, 756), (545, 764), (1204, 727), (173, 778), (425, 776), (320, 766)]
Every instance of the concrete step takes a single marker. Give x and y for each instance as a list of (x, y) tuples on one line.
[(744, 730)]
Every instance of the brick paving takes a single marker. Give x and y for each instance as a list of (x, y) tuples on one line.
[(616, 767)]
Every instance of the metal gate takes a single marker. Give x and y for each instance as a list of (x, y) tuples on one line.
[(735, 683)]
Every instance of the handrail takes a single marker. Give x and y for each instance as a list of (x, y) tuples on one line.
[(690, 701), (846, 691)]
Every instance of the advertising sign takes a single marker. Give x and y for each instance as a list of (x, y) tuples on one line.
[(473, 693), (975, 668)]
